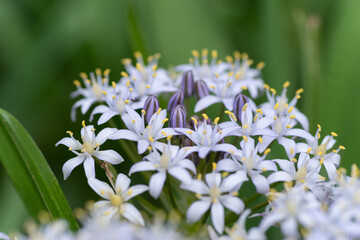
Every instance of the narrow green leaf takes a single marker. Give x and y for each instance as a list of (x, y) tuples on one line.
[(30, 173)]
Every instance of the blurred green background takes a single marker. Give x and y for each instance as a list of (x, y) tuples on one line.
[(45, 44)]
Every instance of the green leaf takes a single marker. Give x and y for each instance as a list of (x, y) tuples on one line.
[(30, 173)]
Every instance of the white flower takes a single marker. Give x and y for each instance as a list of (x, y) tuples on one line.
[(172, 161), (330, 160), (55, 230), (145, 136), (249, 162), (207, 138), (88, 149), (145, 80), (116, 204), (215, 193), (279, 105), (206, 70), (238, 231), (4, 236), (115, 101), (290, 209), (92, 92)]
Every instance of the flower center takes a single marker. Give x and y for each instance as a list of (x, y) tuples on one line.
[(88, 147), (214, 193), (96, 89), (278, 126), (120, 105), (115, 200), (321, 150), (301, 173), (164, 161), (282, 105)]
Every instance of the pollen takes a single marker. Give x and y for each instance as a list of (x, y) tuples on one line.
[(299, 91), (83, 123), (260, 139), (276, 106), (195, 53), (229, 59), (245, 138), (195, 121), (103, 92), (273, 91), (189, 132), (260, 65), (154, 68), (214, 166), (342, 147), (292, 117), (143, 111), (286, 84), (124, 74), (334, 134), (70, 133), (151, 139), (264, 169), (77, 83), (214, 54), (83, 75), (322, 161), (165, 120), (244, 88), (158, 111), (266, 86), (107, 71), (205, 116), (163, 133), (267, 151), (216, 120), (288, 126), (113, 84), (168, 138), (245, 107), (290, 109), (126, 101)]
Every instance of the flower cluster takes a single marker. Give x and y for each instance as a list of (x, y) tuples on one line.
[(197, 161)]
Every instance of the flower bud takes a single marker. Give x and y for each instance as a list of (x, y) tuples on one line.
[(201, 89), (176, 99), (151, 105), (187, 83), (178, 117), (239, 101)]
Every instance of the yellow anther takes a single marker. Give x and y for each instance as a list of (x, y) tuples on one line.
[(107, 71), (322, 161), (237, 54), (113, 84), (294, 160), (195, 53), (157, 55), (158, 111), (231, 151), (245, 107), (102, 192), (133, 78), (70, 133), (228, 84), (275, 118), (299, 91), (198, 195), (70, 148), (212, 87), (245, 126), (214, 165), (309, 150), (273, 91), (260, 65), (235, 194), (297, 97), (124, 74), (88, 81), (319, 127), (264, 169), (216, 75), (259, 110), (126, 61), (244, 88), (260, 139), (232, 115), (286, 84), (154, 75), (290, 109), (133, 121), (168, 138), (131, 89), (245, 138), (93, 130), (204, 132), (334, 151), (216, 120), (288, 126), (77, 83), (292, 117), (205, 116), (83, 123), (243, 159), (221, 131), (276, 106), (291, 150), (199, 176), (318, 135), (103, 92), (149, 148), (342, 147), (229, 59), (165, 120), (163, 133), (266, 86), (214, 54), (334, 134), (137, 54), (126, 101), (127, 83), (129, 192), (204, 52), (104, 80), (154, 68), (238, 75), (151, 139), (321, 178), (189, 132), (267, 151), (320, 153), (83, 75), (224, 174), (256, 117), (230, 74), (138, 66), (250, 61), (195, 121)]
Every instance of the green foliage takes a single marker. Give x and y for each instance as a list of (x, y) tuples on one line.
[(30, 173)]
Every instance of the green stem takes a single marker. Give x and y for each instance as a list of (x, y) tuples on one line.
[(258, 206), (171, 194), (203, 221)]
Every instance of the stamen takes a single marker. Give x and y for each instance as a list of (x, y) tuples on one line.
[(199, 176), (103, 92), (107, 71), (113, 84), (83, 75), (195, 53), (158, 111), (237, 54), (216, 120), (214, 54), (334, 134), (205, 116), (224, 174), (260, 65), (322, 160), (260, 139), (245, 138), (276, 106), (290, 109), (309, 150), (286, 84), (245, 107), (154, 68), (151, 139), (319, 127), (163, 133), (214, 165), (77, 83), (124, 74), (266, 86), (244, 88), (342, 147), (70, 133), (126, 101), (195, 121), (165, 120), (189, 132), (267, 151), (168, 138), (83, 123), (143, 111), (149, 148)]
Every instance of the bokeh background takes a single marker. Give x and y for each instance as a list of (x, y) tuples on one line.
[(44, 44)]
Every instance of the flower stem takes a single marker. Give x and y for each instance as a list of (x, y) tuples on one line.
[(258, 206), (171, 194)]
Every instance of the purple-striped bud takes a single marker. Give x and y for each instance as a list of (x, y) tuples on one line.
[(151, 105), (176, 99), (187, 83), (201, 89), (239, 101), (178, 117)]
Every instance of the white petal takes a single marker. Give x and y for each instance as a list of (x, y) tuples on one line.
[(213, 179), (289, 227), (217, 217), (302, 119), (104, 134), (233, 182), (260, 182), (286, 165), (224, 147), (265, 143), (186, 163), (205, 102), (124, 134), (331, 170), (279, 177), (71, 164), (181, 174), (132, 214), (142, 166), (86, 104), (264, 122), (69, 142), (227, 165), (122, 182), (101, 188), (4, 236), (196, 210), (233, 203), (135, 190), (99, 109), (156, 184), (102, 204), (268, 165), (203, 151), (109, 156), (142, 146), (299, 133), (288, 144), (228, 103), (106, 116), (89, 167)]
